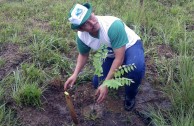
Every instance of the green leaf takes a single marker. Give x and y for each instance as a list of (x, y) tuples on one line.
[(125, 69), (97, 55), (114, 84), (129, 69), (115, 74), (122, 72), (119, 73), (132, 67)]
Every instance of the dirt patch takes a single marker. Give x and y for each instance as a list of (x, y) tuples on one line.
[(149, 98), (54, 111), (167, 3), (165, 51), (190, 27), (44, 25), (12, 56), (151, 70)]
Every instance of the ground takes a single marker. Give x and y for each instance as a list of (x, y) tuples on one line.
[(54, 110)]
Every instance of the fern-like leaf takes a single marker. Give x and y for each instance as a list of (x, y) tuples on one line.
[(126, 70), (114, 84), (98, 59)]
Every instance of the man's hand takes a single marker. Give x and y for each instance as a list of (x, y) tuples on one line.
[(70, 82), (101, 92)]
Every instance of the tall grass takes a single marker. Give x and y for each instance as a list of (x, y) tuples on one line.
[(2, 62), (7, 116), (25, 91), (47, 52), (173, 118), (180, 85), (182, 90)]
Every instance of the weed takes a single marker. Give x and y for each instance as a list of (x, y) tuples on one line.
[(182, 93), (32, 73), (92, 115), (2, 62), (46, 53), (29, 94), (172, 118), (7, 116), (25, 93), (1, 94)]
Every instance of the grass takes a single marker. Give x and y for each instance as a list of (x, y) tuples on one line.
[(41, 28), (2, 62), (26, 89), (174, 118), (29, 95), (179, 89), (182, 92), (7, 117)]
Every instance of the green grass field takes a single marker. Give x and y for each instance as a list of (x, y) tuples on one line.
[(41, 33)]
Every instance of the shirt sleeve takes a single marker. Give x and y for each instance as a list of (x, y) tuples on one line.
[(82, 48), (117, 34)]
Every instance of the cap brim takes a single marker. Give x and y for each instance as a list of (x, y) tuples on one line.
[(87, 16)]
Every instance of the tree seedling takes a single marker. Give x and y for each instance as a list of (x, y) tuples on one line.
[(119, 78)]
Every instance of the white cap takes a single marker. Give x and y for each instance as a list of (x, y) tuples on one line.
[(77, 14)]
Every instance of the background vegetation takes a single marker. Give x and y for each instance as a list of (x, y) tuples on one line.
[(40, 28)]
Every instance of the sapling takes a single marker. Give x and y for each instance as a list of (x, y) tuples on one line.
[(98, 58), (118, 79)]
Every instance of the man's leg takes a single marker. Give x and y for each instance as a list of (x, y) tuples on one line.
[(134, 54)]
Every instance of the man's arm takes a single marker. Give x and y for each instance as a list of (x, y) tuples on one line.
[(81, 61), (118, 61)]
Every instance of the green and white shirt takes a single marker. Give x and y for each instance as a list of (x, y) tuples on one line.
[(113, 33)]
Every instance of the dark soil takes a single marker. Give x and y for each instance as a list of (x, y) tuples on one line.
[(54, 110), (12, 56)]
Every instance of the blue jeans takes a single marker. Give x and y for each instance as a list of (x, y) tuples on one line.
[(134, 54)]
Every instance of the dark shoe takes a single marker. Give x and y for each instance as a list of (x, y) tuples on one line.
[(129, 103)]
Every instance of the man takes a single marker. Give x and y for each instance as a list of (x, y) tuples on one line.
[(124, 44)]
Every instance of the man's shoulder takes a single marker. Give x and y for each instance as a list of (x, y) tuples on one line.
[(107, 17), (81, 34)]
